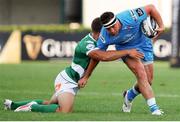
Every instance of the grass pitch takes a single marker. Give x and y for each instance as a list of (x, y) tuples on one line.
[(101, 99)]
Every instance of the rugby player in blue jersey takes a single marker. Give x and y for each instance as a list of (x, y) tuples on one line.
[(124, 31)]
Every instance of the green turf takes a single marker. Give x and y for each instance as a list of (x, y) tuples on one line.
[(100, 100)]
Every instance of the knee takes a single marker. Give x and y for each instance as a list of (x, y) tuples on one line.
[(141, 75), (66, 110), (63, 110), (138, 72)]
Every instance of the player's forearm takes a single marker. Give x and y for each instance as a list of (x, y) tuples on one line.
[(158, 18), (92, 65), (152, 11), (112, 55)]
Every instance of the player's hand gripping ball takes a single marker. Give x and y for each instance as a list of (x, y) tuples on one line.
[(149, 27)]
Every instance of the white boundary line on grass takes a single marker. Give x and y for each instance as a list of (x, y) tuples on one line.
[(120, 94)]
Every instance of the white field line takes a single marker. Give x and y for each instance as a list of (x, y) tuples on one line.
[(82, 93)]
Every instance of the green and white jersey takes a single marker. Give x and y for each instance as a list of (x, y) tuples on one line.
[(81, 60)]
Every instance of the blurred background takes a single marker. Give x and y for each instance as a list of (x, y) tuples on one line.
[(37, 41), (68, 11), (50, 29)]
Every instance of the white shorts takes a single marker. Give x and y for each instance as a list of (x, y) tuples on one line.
[(63, 83)]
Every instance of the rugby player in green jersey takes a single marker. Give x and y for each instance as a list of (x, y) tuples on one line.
[(66, 82)]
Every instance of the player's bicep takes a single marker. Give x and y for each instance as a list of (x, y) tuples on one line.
[(149, 8), (98, 55), (95, 54)]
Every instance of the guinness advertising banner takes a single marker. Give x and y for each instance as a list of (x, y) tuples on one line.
[(175, 56), (17, 46), (45, 46)]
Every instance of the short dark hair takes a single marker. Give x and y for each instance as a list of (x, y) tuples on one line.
[(106, 17), (96, 25)]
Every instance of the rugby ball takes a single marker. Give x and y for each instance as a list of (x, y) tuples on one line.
[(149, 27)]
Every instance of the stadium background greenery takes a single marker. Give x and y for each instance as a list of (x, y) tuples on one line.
[(43, 28), (47, 28), (101, 99)]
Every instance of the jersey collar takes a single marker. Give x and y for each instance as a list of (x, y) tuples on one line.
[(91, 37)]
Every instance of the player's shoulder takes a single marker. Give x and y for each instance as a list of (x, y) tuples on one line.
[(124, 14), (131, 16), (125, 17), (87, 40)]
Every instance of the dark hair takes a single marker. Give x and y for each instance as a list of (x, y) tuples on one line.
[(96, 25), (106, 17)]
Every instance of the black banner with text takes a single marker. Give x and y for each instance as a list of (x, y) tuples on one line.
[(46, 46)]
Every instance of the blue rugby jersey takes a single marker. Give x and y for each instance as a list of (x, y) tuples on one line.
[(130, 34)]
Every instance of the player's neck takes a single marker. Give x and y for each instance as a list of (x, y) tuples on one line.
[(95, 35)]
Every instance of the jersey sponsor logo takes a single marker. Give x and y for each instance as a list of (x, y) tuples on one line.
[(128, 27), (90, 46), (128, 35), (139, 11), (102, 38), (128, 38)]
